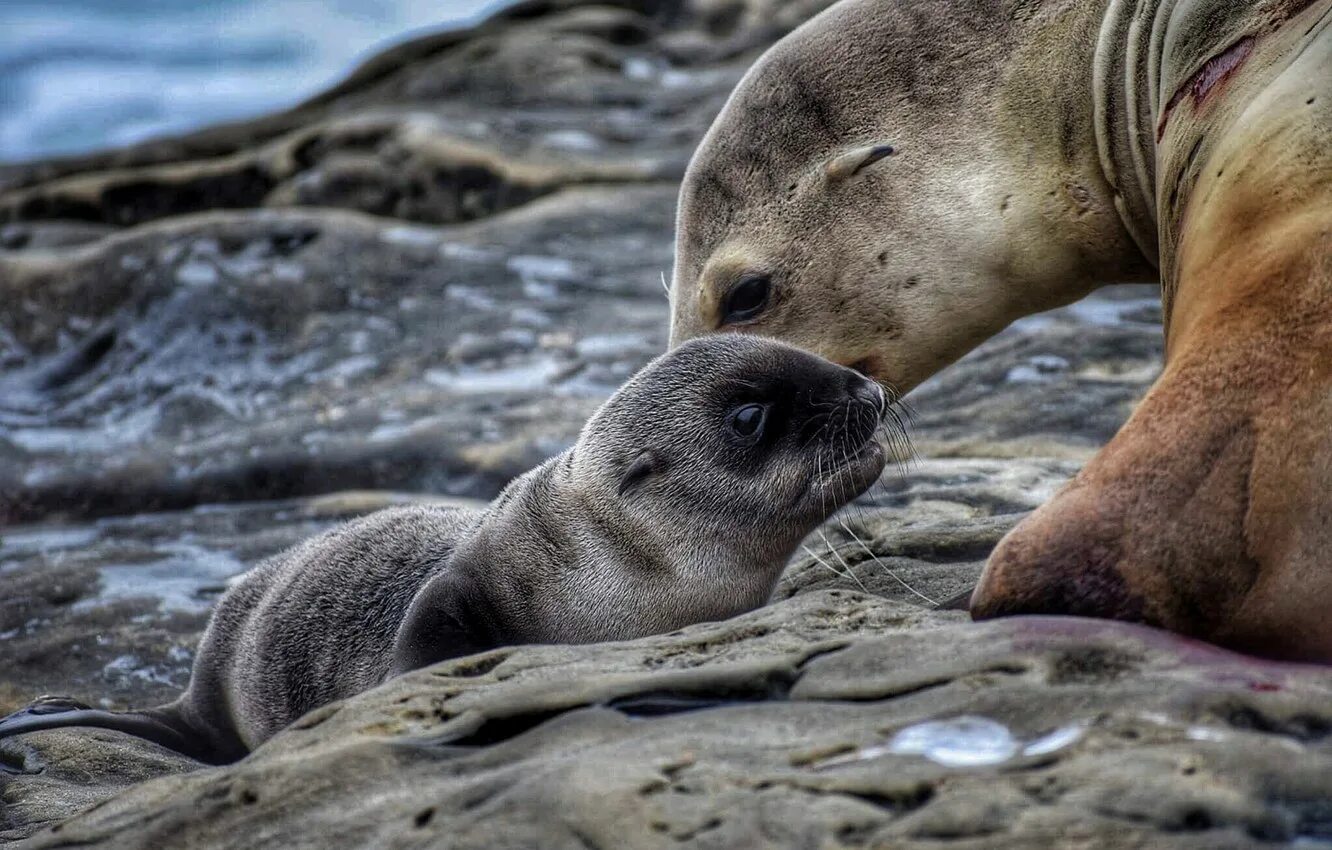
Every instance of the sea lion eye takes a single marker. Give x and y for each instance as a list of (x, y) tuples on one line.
[(747, 298), (747, 421)]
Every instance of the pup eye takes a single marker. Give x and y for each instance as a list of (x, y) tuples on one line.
[(747, 298), (747, 421)]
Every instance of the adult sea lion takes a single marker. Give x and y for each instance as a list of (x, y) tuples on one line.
[(897, 180), (681, 502)]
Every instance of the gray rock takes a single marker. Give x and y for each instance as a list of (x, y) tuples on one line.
[(52, 775), (791, 727)]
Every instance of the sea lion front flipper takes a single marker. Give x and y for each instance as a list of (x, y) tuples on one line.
[(50, 712), (443, 622)]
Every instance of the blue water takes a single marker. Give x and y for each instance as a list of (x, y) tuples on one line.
[(77, 75)]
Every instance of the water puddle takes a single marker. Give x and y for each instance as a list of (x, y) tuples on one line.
[(522, 378), (962, 742), (186, 580)]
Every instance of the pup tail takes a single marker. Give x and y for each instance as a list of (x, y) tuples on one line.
[(161, 726)]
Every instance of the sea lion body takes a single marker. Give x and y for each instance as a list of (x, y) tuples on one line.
[(317, 623), (681, 502), (1208, 513), (1041, 149)]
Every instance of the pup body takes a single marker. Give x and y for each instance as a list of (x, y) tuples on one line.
[(681, 502)]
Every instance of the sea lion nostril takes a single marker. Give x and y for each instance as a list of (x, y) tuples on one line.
[(863, 389), (869, 393)]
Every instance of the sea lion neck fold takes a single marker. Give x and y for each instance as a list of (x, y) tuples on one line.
[(1124, 86)]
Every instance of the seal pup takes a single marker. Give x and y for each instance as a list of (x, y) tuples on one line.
[(681, 502), (897, 180)]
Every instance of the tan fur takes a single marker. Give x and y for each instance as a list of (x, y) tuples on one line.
[(992, 207), (1208, 513)]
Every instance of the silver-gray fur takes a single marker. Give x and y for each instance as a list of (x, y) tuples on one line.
[(663, 514)]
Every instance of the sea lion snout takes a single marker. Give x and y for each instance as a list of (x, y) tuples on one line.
[(870, 399), (847, 409)]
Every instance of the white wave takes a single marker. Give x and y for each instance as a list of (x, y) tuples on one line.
[(82, 74)]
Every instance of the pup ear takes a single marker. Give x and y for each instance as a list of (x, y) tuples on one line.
[(852, 162), (645, 465), (445, 620)]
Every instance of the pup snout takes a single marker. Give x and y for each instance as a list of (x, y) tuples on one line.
[(865, 391)]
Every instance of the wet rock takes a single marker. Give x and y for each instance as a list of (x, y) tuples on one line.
[(229, 314), (795, 723), (460, 246), (241, 356), (449, 127)]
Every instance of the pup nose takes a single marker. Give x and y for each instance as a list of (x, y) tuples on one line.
[(862, 389)]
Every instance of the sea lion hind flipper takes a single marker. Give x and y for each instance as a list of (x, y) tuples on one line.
[(154, 725)]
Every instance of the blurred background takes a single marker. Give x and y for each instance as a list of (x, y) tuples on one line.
[(78, 75)]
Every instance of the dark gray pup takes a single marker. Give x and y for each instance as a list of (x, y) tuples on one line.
[(681, 502)]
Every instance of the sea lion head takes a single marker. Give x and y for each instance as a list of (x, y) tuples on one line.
[(739, 433), (884, 189), (689, 489), (728, 450), (680, 502)]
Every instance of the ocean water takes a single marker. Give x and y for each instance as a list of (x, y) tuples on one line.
[(78, 75)]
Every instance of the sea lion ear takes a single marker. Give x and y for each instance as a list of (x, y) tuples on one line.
[(645, 465), (852, 162), (443, 622)]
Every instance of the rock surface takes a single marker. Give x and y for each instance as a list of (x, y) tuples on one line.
[(790, 727), (423, 281)]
